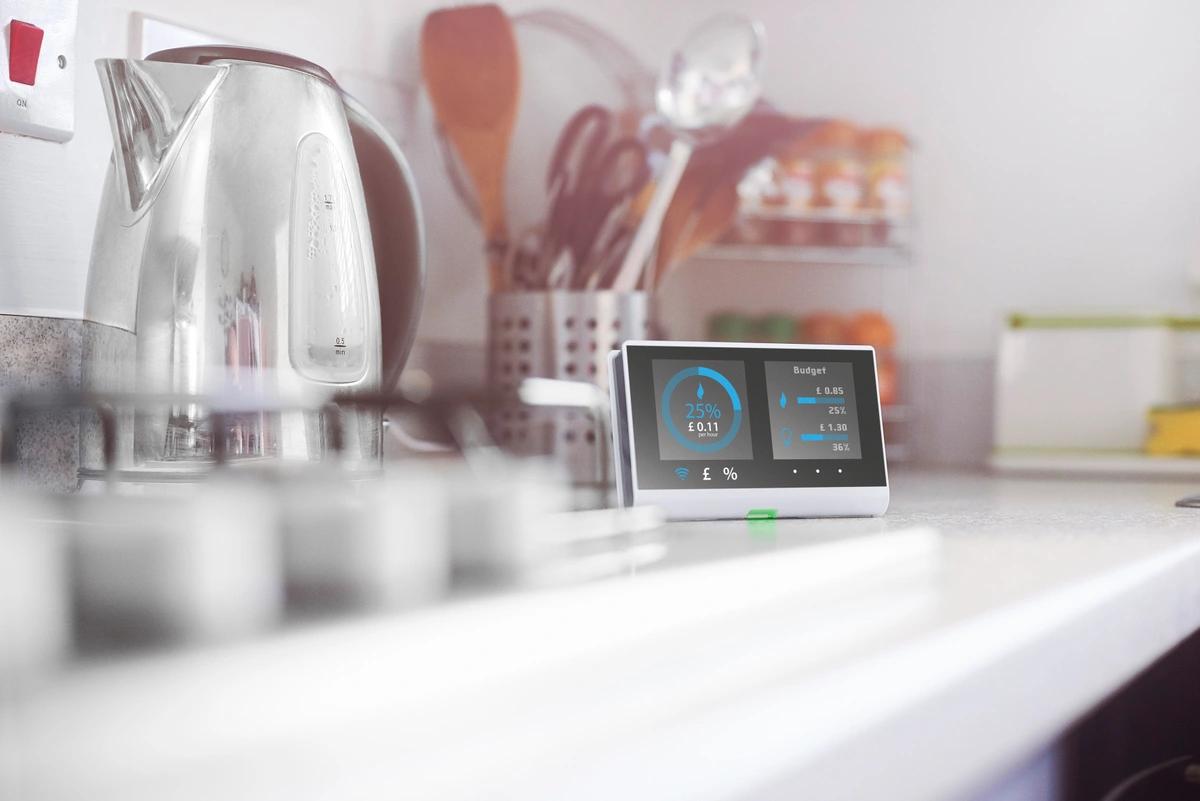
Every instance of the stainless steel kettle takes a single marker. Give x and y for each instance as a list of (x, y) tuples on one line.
[(259, 241)]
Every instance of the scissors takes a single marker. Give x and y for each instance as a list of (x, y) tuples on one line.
[(588, 179)]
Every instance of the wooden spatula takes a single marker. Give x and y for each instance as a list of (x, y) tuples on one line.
[(472, 72), (692, 230)]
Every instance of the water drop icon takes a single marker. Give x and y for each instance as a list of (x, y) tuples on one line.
[(699, 390), (782, 400)]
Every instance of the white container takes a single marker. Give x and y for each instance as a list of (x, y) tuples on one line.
[(1082, 383), (381, 545), (498, 526), (1187, 347), (204, 567)]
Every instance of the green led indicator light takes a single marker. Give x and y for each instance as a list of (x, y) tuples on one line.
[(762, 514)]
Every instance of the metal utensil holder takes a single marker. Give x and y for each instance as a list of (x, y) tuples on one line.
[(566, 336)]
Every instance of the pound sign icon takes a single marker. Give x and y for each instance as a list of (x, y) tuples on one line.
[(706, 476)]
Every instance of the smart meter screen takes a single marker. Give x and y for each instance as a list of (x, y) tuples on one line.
[(701, 410), (813, 411), (726, 416)]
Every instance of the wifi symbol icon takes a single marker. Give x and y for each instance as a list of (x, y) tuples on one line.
[(682, 473)]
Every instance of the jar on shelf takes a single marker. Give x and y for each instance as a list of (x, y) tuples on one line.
[(840, 181), (777, 328), (886, 153), (798, 179), (824, 328), (758, 191), (731, 327)]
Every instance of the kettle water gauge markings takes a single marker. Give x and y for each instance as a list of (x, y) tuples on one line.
[(328, 287)]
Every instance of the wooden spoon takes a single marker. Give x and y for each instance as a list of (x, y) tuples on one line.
[(472, 72)]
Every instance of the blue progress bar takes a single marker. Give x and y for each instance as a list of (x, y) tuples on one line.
[(723, 381), (806, 400), (824, 437)]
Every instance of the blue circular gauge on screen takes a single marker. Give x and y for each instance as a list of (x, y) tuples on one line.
[(709, 410)]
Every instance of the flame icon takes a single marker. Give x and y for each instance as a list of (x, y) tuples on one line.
[(699, 390), (782, 400)]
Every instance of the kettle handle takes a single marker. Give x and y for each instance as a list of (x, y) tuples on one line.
[(397, 234)]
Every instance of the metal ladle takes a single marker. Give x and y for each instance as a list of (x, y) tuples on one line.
[(711, 82)]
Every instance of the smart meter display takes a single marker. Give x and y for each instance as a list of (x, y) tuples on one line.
[(701, 410), (716, 416), (813, 410)]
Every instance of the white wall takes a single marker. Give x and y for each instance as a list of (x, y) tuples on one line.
[(1059, 160)]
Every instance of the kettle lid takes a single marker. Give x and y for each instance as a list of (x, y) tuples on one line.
[(206, 54)]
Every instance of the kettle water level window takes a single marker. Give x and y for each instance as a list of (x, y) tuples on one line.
[(328, 288)]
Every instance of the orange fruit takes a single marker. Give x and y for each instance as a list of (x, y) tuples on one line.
[(871, 328), (824, 328)]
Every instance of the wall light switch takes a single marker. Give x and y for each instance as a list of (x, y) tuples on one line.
[(37, 68), (24, 50)]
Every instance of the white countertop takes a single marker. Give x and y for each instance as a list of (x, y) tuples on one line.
[(800, 671)]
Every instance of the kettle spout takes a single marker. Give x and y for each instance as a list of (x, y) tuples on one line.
[(151, 108)]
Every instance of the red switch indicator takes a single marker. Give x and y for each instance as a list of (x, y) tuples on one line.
[(24, 47)]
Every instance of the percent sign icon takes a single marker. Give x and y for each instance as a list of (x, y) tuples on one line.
[(730, 474)]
